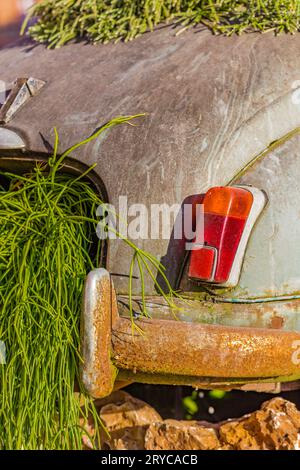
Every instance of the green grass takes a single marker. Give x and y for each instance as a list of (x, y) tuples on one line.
[(61, 21), (47, 247), (44, 258)]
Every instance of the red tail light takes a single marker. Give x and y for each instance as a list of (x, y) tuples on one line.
[(229, 216)]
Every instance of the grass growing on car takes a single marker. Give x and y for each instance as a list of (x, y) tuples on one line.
[(60, 21), (47, 230)]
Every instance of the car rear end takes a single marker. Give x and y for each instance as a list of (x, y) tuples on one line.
[(220, 134)]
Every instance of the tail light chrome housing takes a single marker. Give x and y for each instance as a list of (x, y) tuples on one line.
[(230, 213)]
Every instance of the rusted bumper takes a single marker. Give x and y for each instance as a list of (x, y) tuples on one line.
[(170, 351)]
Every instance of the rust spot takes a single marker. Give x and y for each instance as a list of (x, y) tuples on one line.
[(277, 322), (180, 352), (180, 348), (98, 372)]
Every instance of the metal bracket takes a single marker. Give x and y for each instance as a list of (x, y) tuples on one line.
[(22, 90)]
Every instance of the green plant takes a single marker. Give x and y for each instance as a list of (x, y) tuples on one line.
[(217, 394), (60, 21), (47, 248), (190, 404)]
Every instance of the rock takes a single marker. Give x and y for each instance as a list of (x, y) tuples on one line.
[(134, 425), (276, 426), (180, 435), (126, 420)]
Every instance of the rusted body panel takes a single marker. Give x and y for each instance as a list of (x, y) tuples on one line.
[(274, 315), (99, 312), (207, 351), (175, 352)]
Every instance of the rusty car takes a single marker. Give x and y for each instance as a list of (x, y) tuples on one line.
[(222, 124)]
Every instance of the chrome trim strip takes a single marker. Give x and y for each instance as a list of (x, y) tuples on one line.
[(10, 140)]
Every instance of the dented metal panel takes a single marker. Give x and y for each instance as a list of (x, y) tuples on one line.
[(213, 103)]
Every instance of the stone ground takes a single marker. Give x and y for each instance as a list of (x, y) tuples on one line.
[(135, 425)]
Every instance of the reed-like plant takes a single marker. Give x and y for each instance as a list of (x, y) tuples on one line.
[(60, 21), (47, 247)]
